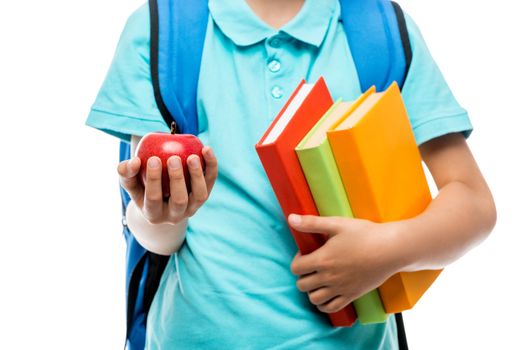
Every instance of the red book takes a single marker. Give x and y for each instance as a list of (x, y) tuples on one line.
[(276, 150)]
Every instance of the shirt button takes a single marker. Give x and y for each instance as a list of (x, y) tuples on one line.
[(275, 42), (274, 66), (277, 92)]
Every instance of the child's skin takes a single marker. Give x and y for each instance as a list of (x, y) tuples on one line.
[(359, 255)]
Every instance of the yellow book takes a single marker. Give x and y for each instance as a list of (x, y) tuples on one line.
[(381, 169)]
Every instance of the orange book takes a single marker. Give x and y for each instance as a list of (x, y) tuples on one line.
[(276, 150), (381, 169)]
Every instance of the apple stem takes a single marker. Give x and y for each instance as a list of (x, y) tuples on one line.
[(173, 128)]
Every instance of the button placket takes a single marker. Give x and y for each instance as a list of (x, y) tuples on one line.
[(274, 71)]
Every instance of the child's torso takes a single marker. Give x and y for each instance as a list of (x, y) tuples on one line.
[(230, 285)]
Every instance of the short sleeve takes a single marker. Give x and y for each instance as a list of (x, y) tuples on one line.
[(431, 106), (125, 104)]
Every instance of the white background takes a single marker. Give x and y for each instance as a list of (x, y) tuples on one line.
[(62, 254)]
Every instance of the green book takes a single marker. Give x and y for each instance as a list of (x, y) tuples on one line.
[(321, 172)]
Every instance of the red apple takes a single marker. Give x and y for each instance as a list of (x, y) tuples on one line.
[(165, 145)]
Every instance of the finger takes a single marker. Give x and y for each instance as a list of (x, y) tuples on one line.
[(177, 186), (153, 204), (334, 305), (304, 264), (211, 167), (129, 168), (128, 171), (310, 282), (320, 296), (198, 184), (330, 225)]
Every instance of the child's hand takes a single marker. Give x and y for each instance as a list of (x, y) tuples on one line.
[(356, 259), (180, 206)]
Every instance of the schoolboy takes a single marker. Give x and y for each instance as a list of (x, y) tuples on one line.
[(231, 282)]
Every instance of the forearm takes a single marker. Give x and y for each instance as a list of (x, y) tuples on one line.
[(163, 239), (458, 219)]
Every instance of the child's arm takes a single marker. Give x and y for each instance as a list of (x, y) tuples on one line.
[(158, 226), (459, 218), (360, 255)]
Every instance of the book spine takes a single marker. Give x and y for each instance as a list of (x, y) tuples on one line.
[(354, 176), (320, 170), (282, 184)]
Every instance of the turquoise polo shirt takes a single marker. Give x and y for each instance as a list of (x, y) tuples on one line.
[(230, 285)]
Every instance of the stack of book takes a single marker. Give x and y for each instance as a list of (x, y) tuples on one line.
[(351, 159)]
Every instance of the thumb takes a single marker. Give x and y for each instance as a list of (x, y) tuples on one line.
[(329, 225)]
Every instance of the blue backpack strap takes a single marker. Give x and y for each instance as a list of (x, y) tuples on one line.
[(135, 251), (379, 42), (136, 259), (176, 57)]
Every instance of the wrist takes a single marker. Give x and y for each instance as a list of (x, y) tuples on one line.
[(135, 211), (399, 250), (163, 239)]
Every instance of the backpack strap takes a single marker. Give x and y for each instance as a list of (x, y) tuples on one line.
[(136, 273), (176, 57), (377, 35)]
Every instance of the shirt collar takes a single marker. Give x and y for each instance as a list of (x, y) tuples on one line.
[(239, 23)]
